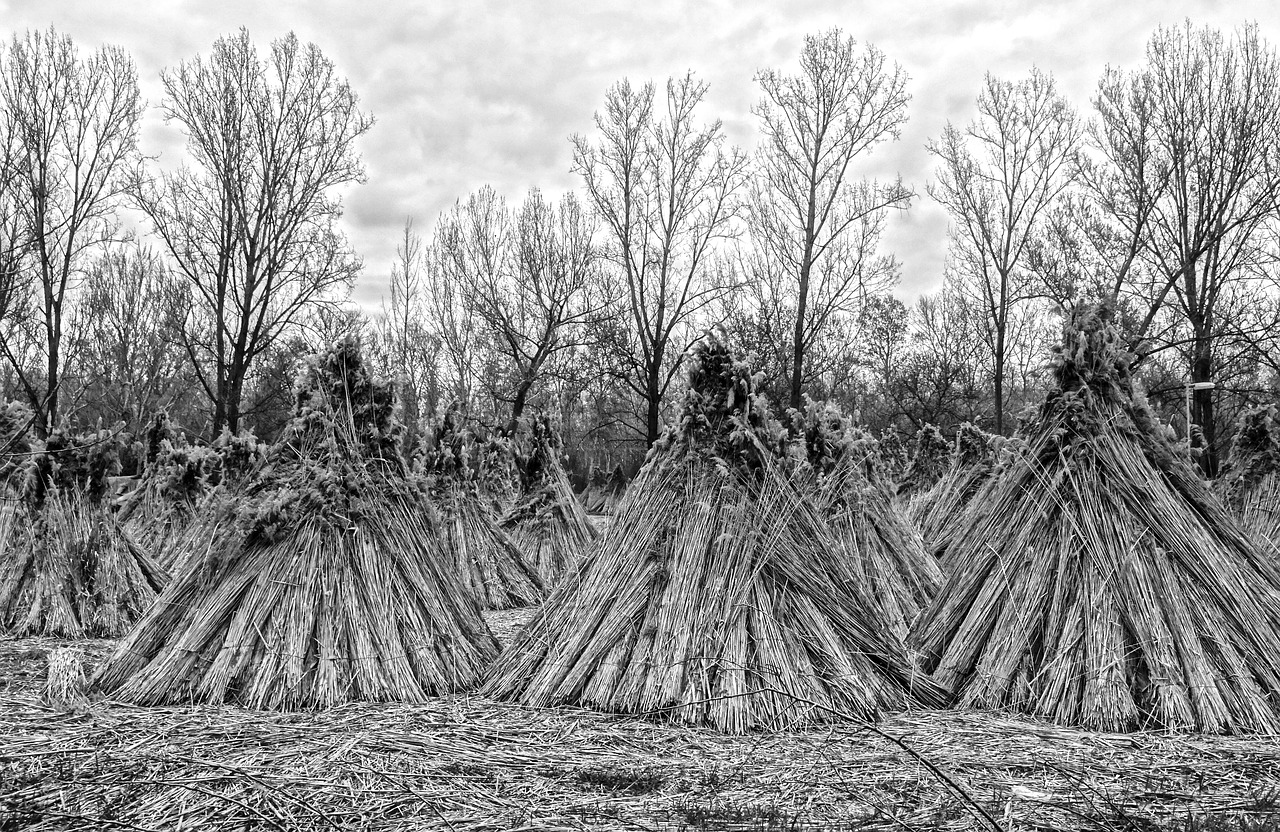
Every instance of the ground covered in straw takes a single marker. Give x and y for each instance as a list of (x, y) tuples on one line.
[(468, 763)]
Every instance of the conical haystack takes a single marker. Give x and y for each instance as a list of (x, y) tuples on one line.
[(604, 490), (1251, 484), (163, 502), (68, 569), (327, 584), (489, 563), (548, 522), (713, 597), (973, 457), (928, 463), (840, 472), (1096, 581)]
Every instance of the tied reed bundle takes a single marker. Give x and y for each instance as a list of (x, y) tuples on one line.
[(1095, 580), (64, 687), (548, 522), (69, 568), (492, 567), (178, 477), (325, 582), (1251, 484), (928, 463), (841, 473), (713, 598), (973, 459), (604, 491)]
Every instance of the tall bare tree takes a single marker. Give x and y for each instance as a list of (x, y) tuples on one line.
[(251, 224), (125, 339), (664, 188), (809, 218), (552, 292), (1188, 146), (70, 126), (997, 178), (471, 246), (409, 348)]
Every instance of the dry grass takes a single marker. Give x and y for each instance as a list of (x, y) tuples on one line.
[(467, 764)]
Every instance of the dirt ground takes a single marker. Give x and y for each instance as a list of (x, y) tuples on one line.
[(463, 762)]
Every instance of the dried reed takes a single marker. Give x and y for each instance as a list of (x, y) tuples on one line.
[(713, 597), (325, 583), (1095, 580)]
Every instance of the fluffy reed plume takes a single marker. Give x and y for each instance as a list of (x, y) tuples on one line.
[(1251, 484), (928, 462), (176, 477), (326, 581), (64, 687), (68, 568), (548, 522), (604, 491), (893, 456), (973, 457), (713, 598), (840, 471), (491, 566), (1095, 581)]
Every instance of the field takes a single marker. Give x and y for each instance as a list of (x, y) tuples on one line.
[(467, 763)]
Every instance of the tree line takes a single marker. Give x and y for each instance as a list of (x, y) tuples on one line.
[(127, 287)]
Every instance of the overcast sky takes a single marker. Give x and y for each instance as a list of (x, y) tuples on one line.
[(469, 92)]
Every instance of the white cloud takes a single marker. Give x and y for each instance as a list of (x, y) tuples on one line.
[(488, 91)]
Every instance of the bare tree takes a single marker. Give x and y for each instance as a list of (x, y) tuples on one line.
[(543, 306), (251, 224), (997, 178), (664, 188), (125, 338), (409, 348), (809, 218), (472, 246), (70, 128), (1189, 144)]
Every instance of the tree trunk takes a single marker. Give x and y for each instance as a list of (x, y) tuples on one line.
[(226, 411), (802, 305), (653, 395), (517, 405), (999, 379), (1202, 414)]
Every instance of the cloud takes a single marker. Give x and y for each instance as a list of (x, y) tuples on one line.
[(488, 91)]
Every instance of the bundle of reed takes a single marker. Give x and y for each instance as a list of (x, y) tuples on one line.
[(973, 458), (177, 478), (492, 567), (592, 495), (893, 457), (16, 421), (70, 569), (615, 488), (1096, 581), (548, 522), (64, 686), (328, 582), (1251, 484), (838, 467), (712, 598), (928, 462)]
